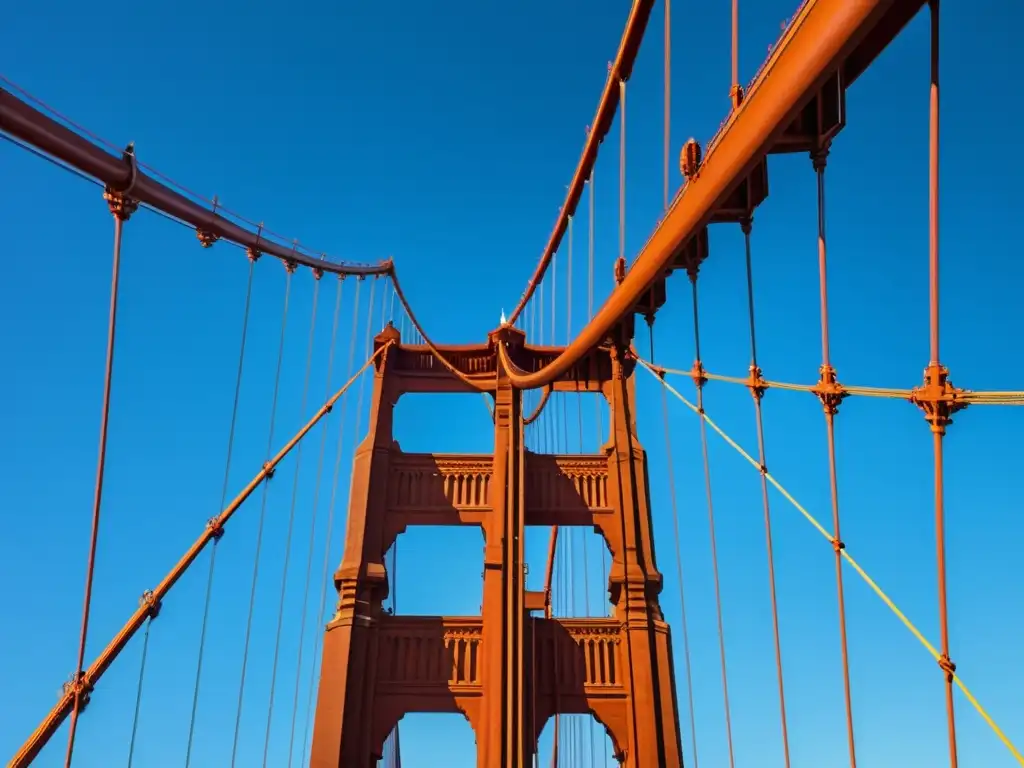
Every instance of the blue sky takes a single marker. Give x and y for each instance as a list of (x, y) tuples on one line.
[(444, 135)]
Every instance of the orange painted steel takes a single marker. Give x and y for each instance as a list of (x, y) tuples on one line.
[(831, 394), (699, 380), (620, 69), (31, 126), (822, 34), (934, 393), (215, 528), (121, 209), (505, 671)]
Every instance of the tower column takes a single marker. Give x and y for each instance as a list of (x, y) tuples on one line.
[(635, 583), (503, 738), (343, 726)]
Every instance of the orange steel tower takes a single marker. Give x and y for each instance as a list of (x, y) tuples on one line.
[(510, 669)]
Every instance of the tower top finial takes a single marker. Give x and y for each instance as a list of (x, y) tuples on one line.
[(503, 320)]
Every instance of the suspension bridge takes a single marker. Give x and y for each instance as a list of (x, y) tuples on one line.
[(765, 551)]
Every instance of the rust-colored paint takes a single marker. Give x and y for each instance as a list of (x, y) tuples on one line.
[(507, 671), (31, 126), (77, 694), (821, 39)]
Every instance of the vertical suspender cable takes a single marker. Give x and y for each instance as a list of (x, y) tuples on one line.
[(736, 91), (830, 394), (668, 98), (756, 385), (313, 518), (330, 515), (699, 380), (679, 558), (253, 256), (290, 267), (121, 207), (138, 692), (291, 518), (937, 382)]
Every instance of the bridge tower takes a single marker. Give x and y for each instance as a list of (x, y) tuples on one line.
[(509, 670)]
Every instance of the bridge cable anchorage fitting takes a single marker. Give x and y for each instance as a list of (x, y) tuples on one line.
[(756, 383), (317, 273), (946, 665), (151, 604), (692, 269), (819, 156), (938, 398), (268, 470), (838, 545), (120, 201), (215, 527), (252, 254), (829, 391), (290, 266), (206, 239)]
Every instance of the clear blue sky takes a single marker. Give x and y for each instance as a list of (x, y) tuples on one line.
[(444, 134)]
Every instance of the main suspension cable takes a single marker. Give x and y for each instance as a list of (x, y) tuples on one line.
[(289, 269)]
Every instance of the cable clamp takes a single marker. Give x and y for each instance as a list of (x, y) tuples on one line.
[(152, 605), (755, 383), (206, 238), (698, 374), (78, 688), (268, 470), (215, 527), (838, 545), (938, 398), (120, 202), (947, 666), (829, 391)]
